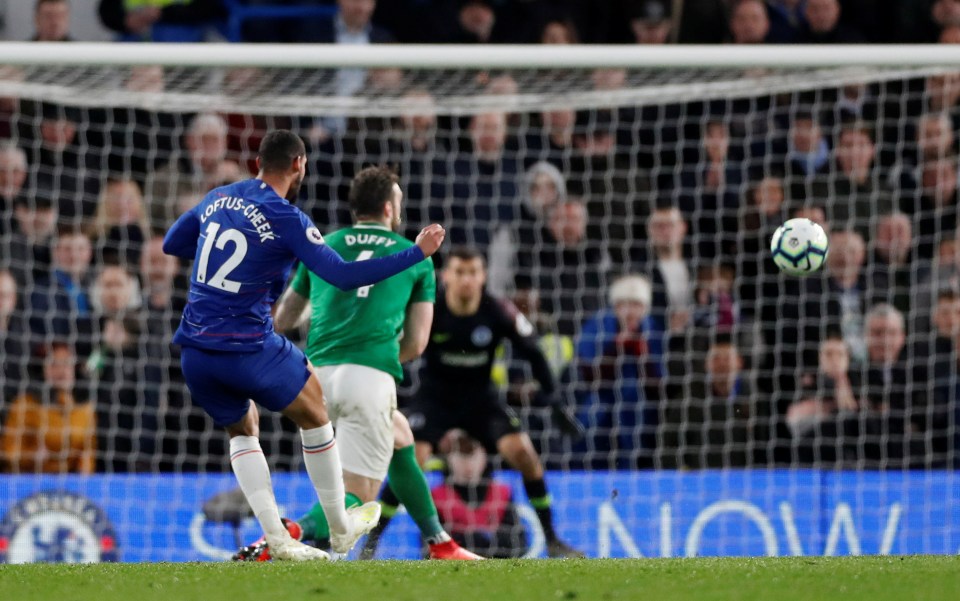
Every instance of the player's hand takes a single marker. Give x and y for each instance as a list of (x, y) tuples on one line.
[(564, 418), (430, 238)]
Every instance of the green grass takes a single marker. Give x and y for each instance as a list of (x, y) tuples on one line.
[(777, 579)]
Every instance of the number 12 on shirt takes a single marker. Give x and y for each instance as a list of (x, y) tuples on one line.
[(219, 279)]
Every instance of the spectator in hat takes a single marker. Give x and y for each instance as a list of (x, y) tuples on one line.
[(652, 22), (543, 189), (618, 378)]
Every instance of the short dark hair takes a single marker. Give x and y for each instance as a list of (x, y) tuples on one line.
[(850, 124), (56, 345), (466, 253), (948, 293), (369, 189), (278, 149)]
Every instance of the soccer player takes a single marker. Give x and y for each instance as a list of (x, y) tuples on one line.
[(244, 238), (456, 390), (357, 341)]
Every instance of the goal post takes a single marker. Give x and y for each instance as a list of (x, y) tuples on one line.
[(742, 412)]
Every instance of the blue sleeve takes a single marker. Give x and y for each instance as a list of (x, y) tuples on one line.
[(303, 239), (182, 237)]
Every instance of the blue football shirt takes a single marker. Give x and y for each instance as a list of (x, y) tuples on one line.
[(244, 239)]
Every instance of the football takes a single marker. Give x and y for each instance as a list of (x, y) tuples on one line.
[(799, 247)]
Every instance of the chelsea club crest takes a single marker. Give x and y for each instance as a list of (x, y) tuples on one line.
[(56, 527)]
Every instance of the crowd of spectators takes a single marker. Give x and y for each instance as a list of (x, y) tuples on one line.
[(520, 21), (633, 237)]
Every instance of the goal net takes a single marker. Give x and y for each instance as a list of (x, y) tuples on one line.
[(624, 203)]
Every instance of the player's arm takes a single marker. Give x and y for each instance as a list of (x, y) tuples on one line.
[(523, 340), (289, 309), (522, 336), (182, 237), (416, 330), (306, 243)]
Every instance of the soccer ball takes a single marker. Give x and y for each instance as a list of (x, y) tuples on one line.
[(799, 247)]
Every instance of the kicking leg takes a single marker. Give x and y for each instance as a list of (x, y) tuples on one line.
[(253, 474)]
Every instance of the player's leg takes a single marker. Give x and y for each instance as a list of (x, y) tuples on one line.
[(411, 489), (428, 423), (322, 460), (225, 400), (514, 445), (361, 400)]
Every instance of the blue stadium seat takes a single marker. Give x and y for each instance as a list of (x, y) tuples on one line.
[(241, 12)]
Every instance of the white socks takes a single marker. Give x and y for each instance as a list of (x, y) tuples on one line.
[(253, 474), (322, 459)]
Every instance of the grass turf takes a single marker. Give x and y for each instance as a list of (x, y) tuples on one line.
[(779, 579)]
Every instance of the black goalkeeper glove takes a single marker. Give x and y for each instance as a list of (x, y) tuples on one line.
[(565, 419), (563, 416)]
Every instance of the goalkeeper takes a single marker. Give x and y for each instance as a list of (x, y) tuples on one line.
[(356, 346), (456, 390)]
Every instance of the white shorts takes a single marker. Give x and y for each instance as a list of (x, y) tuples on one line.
[(361, 401)]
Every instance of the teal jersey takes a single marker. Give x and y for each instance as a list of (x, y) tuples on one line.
[(363, 326)]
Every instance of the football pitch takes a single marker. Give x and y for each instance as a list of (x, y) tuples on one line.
[(779, 579)]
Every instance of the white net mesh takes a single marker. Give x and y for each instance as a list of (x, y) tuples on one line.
[(566, 180)]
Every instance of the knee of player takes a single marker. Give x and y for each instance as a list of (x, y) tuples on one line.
[(244, 428), (518, 451), (402, 434)]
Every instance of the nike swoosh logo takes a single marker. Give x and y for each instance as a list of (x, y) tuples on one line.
[(441, 338)]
